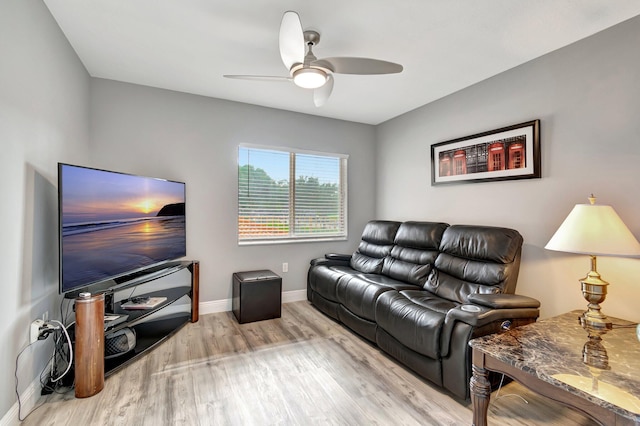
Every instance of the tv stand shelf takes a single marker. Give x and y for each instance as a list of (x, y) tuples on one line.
[(172, 294), (178, 282), (148, 336)]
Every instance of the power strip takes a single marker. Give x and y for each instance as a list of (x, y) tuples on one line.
[(40, 330)]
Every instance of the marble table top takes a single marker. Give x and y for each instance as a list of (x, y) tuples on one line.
[(558, 351)]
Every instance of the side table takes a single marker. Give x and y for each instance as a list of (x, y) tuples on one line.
[(596, 375)]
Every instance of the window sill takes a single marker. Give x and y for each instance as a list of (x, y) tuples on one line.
[(291, 241)]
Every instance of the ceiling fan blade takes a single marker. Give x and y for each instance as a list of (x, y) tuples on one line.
[(291, 39), (259, 77), (322, 93), (347, 65)]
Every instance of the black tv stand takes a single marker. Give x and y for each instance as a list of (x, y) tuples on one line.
[(130, 280), (177, 283)]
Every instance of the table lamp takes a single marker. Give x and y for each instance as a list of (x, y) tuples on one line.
[(595, 230)]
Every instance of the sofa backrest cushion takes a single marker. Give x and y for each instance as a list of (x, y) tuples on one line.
[(487, 243), (376, 244), (476, 259), (414, 252)]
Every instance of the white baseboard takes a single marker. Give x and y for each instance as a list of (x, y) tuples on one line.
[(215, 306), (294, 296), (224, 305)]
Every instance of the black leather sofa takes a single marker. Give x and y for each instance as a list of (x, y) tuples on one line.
[(421, 290)]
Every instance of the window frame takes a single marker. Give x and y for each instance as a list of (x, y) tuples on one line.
[(343, 188)]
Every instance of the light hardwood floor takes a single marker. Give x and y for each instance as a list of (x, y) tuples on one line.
[(301, 369)]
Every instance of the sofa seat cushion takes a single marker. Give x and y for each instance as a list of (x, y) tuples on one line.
[(415, 318), (323, 279), (383, 280), (359, 293), (429, 300)]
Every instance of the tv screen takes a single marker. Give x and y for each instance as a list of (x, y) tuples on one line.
[(112, 224)]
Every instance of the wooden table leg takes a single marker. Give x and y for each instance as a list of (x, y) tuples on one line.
[(480, 390)]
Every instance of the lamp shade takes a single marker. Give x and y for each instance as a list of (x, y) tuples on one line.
[(594, 230)]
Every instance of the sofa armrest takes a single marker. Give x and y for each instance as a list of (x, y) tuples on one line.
[(485, 320), (318, 261), (486, 315), (338, 256), (503, 301), (332, 259)]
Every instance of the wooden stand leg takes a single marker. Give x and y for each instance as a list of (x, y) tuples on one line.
[(195, 291), (480, 394), (89, 346)]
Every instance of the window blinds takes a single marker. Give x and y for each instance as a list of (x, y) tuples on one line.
[(290, 195)]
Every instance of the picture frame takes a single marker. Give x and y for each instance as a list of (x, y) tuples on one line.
[(508, 153)]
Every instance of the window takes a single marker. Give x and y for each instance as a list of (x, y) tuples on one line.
[(290, 195)]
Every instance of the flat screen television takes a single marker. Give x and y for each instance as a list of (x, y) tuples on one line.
[(114, 224)]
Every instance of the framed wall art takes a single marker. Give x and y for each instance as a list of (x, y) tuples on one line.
[(508, 153)]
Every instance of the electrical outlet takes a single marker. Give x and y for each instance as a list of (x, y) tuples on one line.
[(285, 267), (34, 331)]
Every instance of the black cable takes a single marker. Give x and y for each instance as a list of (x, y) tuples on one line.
[(65, 315), (61, 312), (20, 418), (58, 350), (51, 360), (59, 355), (133, 290), (63, 330)]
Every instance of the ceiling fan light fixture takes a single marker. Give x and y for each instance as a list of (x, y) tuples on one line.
[(309, 78)]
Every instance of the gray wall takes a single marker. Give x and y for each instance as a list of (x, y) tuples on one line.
[(44, 100), (587, 97), (195, 140)]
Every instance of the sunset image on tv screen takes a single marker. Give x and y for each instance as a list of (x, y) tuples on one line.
[(112, 223)]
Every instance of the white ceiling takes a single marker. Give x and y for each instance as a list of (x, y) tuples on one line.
[(444, 45)]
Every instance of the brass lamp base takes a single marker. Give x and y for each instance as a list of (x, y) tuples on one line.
[(594, 290)]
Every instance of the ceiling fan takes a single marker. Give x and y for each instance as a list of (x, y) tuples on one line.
[(309, 72)]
